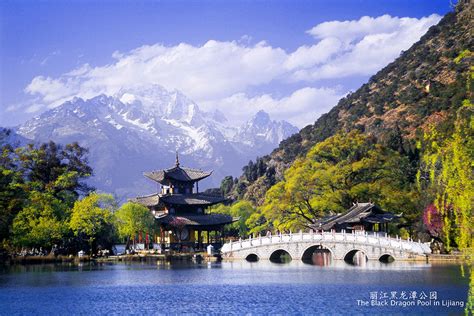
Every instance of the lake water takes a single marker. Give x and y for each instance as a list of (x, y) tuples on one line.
[(230, 287)]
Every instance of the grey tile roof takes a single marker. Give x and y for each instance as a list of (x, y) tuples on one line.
[(192, 199), (147, 200), (198, 220), (368, 212), (178, 173), (178, 199)]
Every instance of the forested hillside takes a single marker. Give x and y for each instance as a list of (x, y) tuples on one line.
[(425, 86)]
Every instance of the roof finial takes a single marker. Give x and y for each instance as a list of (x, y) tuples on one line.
[(177, 159)]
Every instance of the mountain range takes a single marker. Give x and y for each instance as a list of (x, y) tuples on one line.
[(140, 128)]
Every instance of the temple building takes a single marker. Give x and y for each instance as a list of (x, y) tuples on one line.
[(360, 217), (181, 211)]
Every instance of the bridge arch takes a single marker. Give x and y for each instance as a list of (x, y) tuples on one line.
[(341, 245), (252, 257), (324, 254), (387, 258), (356, 256), (280, 256)]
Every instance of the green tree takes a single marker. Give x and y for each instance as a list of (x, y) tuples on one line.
[(226, 185), (257, 223), (242, 211), (38, 187), (12, 195), (132, 219), (92, 220), (335, 173), (54, 167), (41, 223)]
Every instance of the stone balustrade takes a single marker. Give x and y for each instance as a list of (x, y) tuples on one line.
[(373, 245)]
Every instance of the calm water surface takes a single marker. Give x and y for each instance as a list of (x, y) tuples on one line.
[(228, 287)]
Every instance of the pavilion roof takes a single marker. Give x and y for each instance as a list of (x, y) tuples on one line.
[(178, 199), (147, 200), (198, 220), (178, 173), (192, 199), (359, 212)]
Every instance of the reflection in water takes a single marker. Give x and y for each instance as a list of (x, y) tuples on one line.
[(386, 259), (280, 256), (321, 258), (356, 257), (252, 258), (317, 255), (237, 286), (359, 259)]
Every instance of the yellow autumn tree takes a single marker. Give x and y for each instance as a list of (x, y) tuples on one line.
[(335, 173)]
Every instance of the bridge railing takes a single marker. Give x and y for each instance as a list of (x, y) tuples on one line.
[(365, 238)]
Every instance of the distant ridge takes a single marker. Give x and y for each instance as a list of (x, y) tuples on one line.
[(140, 128)]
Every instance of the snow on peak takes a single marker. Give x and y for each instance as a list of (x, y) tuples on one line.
[(261, 129), (261, 118), (127, 98), (145, 125)]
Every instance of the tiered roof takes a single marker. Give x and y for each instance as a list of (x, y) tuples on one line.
[(147, 200), (192, 199), (359, 212), (179, 199), (177, 173), (199, 220)]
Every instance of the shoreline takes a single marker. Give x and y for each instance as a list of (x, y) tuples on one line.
[(121, 258), (446, 258), (433, 258)]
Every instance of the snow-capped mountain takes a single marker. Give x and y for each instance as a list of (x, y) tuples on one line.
[(140, 128), (261, 131)]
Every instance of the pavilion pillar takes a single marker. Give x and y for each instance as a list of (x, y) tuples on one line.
[(199, 239), (162, 237)]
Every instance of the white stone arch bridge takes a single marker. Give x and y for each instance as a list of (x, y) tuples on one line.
[(375, 246)]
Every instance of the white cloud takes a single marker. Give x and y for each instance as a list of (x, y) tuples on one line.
[(34, 108), (213, 70), (366, 45), (348, 31), (300, 108), (50, 89), (221, 74)]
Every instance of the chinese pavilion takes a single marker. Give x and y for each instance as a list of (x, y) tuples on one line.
[(180, 209), (361, 216)]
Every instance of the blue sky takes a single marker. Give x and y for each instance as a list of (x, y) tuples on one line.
[(237, 56)]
